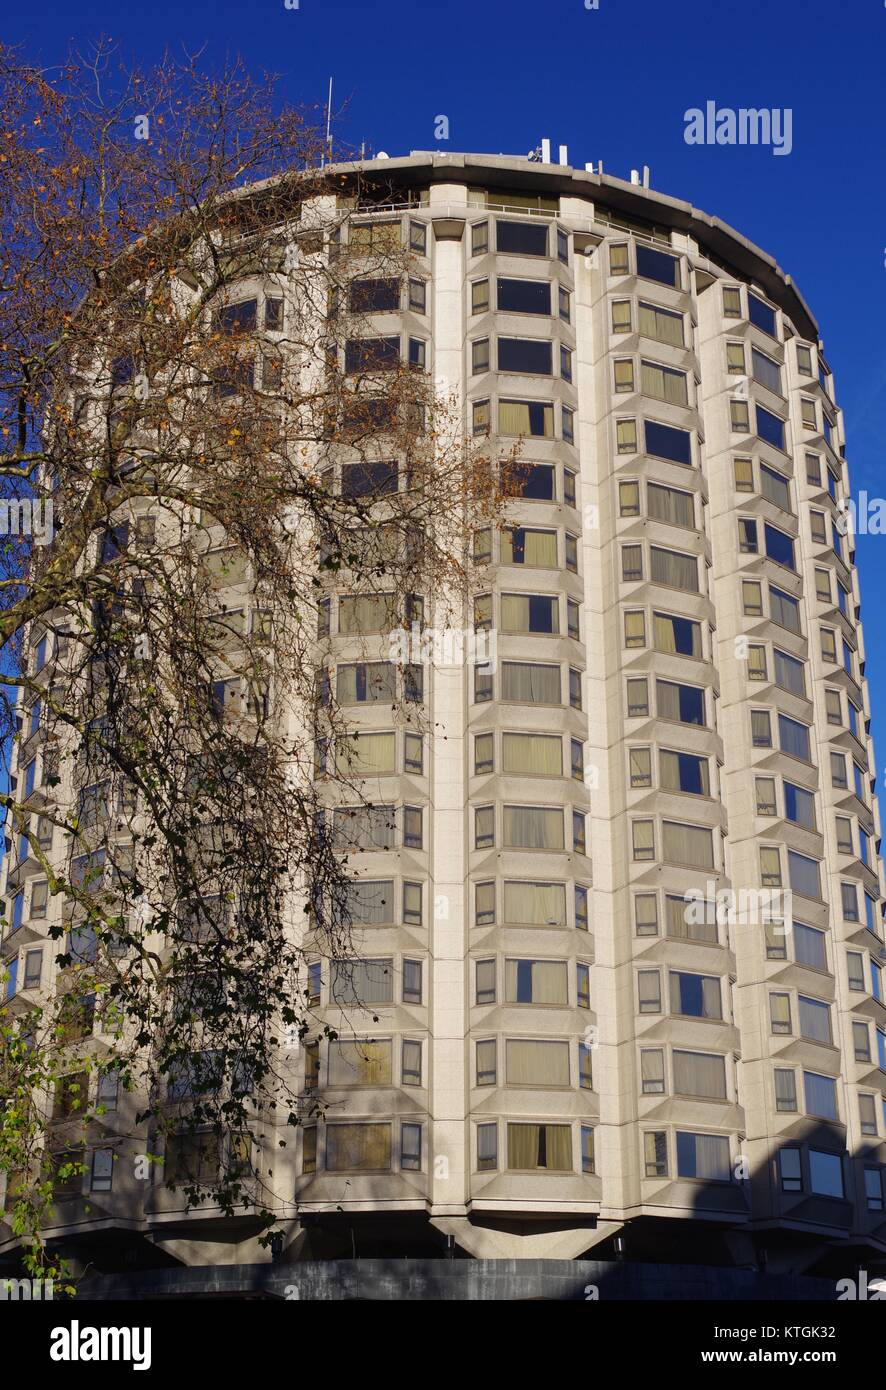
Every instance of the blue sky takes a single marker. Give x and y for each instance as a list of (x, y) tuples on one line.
[(612, 84)]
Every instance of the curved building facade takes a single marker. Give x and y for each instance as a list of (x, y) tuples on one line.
[(622, 984)]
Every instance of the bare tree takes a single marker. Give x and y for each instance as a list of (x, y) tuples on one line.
[(196, 409)]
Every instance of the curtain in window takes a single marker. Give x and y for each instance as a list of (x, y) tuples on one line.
[(229, 566), (530, 684), (658, 323), (804, 874), (362, 981), (679, 571), (538, 547), (809, 948), (533, 754), (793, 737), (540, 1147), (667, 504), (652, 1070), (712, 1157), (635, 629), (350, 1148), (688, 844), (533, 1063), (643, 839), (371, 903), (547, 981), (684, 772), (514, 613), (361, 1062), (513, 417), (784, 609), (677, 911), (640, 765), (815, 1019), (785, 1089), (365, 755), (663, 384), (665, 635), (700, 1074), (646, 914), (774, 488), (766, 371), (789, 673), (535, 904), (364, 827), (668, 700), (821, 1095), (533, 827), (366, 613)]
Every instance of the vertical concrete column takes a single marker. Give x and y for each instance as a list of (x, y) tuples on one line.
[(448, 929)]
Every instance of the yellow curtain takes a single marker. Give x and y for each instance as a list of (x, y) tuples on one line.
[(530, 1062), (226, 567), (365, 1147), (688, 844), (533, 827), (513, 417), (535, 904), (523, 1146), (533, 754), (665, 640), (360, 1062), (514, 613), (366, 755)]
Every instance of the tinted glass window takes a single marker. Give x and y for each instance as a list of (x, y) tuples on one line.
[(374, 296), (668, 443), (779, 547), (655, 265), (524, 355), (524, 296), (761, 315), (770, 427), (521, 238), (539, 484)]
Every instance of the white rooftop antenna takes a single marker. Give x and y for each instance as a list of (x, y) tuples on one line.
[(328, 150)]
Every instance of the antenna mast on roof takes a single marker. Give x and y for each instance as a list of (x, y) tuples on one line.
[(327, 154)]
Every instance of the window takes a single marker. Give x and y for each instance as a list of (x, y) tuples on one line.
[(483, 754), (825, 1172), (535, 982), (412, 973), (626, 436), (484, 904), (765, 795), (821, 1095), (743, 471), (849, 900), (808, 414), (670, 505), (575, 688), (565, 363), (485, 982), (663, 383), (571, 552), (766, 371), (418, 235), (703, 1156), (366, 682), (523, 296), (649, 991), (532, 418), (536, 482), (532, 827), (522, 546), (799, 806), (623, 369), (358, 1148), (638, 697), (861, 1042), (655, 1153), (563, 301), (484, 827), (362, 982), (803, 875), (540, 1147), (643, 841), (412, 904), (793, 738), (640, 763), (770, 428), (373, 296), (682, 703), (815, 1019), (529, 613), (809, 947), (487, 1148), (666, 442), (567, 417), (761, 315), (731, 302), (747, 535), (661, 324), (479, 296), (779, 547), (655, 265), (789, 1170), (646, 914), (784, 609), (531, 356), (479, 356), (735, 363), (695, 996), (680, 636), (635, 629), (873, 1188), (618, 260), (581, 908), (684, 772), (674, 569), (480, 417), (692, 845), (529, 1062), (361, 1062), (530, 683), (410, 1147), (652, 1074), (479, 238), (417, 296), (739, 418), (699, 1074), (785, 1090), (631, 563), (521, 238), (752, 598), (372, 354), (621, 316)]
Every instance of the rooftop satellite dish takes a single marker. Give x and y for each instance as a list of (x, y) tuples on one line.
[(382, 154)]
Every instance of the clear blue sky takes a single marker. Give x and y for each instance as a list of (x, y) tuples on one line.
[(612, 84)]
